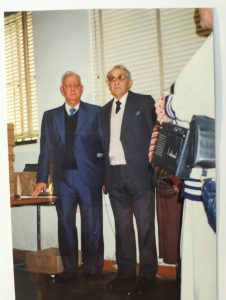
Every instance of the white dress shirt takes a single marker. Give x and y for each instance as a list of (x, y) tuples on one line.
[(116, 152)]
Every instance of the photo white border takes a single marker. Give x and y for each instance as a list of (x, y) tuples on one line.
[(6, 274)]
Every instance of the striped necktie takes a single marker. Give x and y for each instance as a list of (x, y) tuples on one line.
[(72, 111)]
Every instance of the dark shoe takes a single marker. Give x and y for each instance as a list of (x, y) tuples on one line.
[(143, 285), (120, 282), (62, 277)]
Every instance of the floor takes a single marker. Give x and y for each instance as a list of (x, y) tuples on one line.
[(31, 286)]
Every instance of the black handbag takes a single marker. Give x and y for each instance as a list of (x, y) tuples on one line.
[(202, 142)]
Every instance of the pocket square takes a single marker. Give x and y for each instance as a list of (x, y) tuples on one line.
[(100, 154), (137, 113)]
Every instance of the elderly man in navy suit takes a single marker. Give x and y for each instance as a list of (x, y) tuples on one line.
[(129, 119), (72, 150)]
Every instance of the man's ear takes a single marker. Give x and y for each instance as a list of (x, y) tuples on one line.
[(62, 91), (130, 83)]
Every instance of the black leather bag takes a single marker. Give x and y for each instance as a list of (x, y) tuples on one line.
[(202, 142)]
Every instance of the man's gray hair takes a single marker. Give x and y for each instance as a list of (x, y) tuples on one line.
[(69, 73), (127, 72)]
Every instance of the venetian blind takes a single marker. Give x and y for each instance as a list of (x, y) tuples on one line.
[(153, 44), (22, 108), (181, 37), (127, 37)]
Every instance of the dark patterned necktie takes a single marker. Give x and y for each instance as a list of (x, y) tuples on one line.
[(118, 103)]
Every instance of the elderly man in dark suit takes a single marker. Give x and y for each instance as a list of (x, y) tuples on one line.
[(129, 118), (72, 148)]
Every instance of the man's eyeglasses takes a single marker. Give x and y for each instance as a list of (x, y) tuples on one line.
[(121, 77)]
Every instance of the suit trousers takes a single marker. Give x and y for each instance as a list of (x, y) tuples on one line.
[(73, 192), (128, 202)]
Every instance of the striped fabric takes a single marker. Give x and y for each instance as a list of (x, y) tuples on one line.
[(168, 107), (192, 189)]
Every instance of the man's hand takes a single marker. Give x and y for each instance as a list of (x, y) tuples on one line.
[(40, 186)]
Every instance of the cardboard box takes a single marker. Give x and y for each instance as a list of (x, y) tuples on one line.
[(10, 131), (11, 143), (10, 127), (46, 261), (11, 157), (24, 183)]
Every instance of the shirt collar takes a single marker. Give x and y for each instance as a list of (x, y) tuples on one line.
[(67, 107), (123, 99)]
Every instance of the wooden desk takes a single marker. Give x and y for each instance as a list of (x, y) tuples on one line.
[(39, 201), (33, 201)]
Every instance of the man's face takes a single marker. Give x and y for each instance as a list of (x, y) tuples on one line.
[(118, 83), (206, 18), (72, 90)]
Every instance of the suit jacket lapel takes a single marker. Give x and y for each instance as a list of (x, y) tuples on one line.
[(60, 119), (129, 112), (82, 117), (108, 122)]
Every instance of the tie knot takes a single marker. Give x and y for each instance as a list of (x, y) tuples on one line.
[(72, 111), (118, 103)]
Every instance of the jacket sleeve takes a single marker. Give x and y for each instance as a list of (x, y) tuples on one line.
[(45, 151)]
